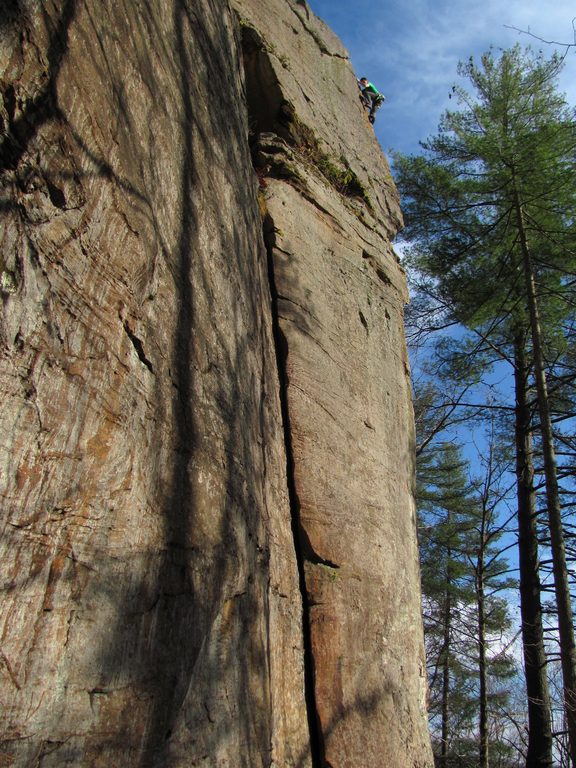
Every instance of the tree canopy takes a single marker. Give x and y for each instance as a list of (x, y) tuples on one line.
[(489, 207)]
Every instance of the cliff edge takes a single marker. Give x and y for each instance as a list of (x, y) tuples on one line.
[(208, 548)]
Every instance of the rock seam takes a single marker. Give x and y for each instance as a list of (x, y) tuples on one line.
[(317, 747)]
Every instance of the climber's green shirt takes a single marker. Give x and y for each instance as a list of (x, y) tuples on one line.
[(372, 89)]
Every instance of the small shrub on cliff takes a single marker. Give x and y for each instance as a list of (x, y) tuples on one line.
[(340, 176)]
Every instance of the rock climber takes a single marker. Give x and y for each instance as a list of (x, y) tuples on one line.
[(371, 97)]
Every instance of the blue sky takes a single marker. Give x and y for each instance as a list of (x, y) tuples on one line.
[(410, 50)]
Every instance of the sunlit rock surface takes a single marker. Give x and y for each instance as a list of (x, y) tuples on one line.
[(208, 548)]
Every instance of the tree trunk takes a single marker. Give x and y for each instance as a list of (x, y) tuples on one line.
[(539, 727), (446, 677), (561, 584), (482, 672)]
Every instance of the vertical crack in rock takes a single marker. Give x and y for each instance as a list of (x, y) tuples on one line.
[(265, 103), (317, 747)]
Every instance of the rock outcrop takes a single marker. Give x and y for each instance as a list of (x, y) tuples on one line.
[(208, 548)]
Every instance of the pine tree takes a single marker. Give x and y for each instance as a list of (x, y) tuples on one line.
[(490, 574), (462, 574), (490, 208), (443, 498)]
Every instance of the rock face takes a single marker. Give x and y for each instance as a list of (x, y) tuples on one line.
[(208, 547)]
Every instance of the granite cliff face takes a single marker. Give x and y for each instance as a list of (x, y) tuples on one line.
[(208, 550)]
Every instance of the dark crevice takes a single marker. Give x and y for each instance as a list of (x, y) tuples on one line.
[(304, 4), (317, 747), (317, 560), (380, 273), (265, 101), (269, 113), (138, 346), (57, 197), (310, 555), (316, 35)]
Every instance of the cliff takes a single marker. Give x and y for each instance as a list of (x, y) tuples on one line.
[(208, 550)]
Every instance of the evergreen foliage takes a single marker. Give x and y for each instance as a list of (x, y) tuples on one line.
[(465, 618), (490, 217)]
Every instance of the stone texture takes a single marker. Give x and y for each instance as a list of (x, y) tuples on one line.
[(151, 610), (340, 292), (348, 401), (167, 496)]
